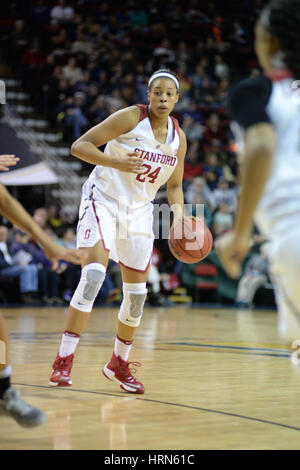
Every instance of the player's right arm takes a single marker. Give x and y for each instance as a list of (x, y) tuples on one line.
[(86, 147)]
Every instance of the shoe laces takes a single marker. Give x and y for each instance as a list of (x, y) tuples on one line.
[(63, 363), (127, 369)]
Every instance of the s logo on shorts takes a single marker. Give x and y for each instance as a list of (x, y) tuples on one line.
[(87, 234)]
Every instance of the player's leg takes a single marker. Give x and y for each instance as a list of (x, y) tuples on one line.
[(243, 295), (247, 288), (130, 314), (285, 258), (288, 301), (5, 368), (94, 264), (10, 402)]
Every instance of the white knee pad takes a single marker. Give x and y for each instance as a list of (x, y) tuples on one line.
[(134, 296), (91, 280)]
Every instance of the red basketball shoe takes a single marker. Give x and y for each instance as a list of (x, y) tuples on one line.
[(118, 371), (61, 371)]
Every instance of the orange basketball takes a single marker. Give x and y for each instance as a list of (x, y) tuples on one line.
[(190, 240)]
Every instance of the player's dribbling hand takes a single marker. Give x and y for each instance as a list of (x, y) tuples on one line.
[(176, 219), (232, 250), (7, 161), (132, 163)]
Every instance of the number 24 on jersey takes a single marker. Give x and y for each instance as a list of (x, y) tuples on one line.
[(152, 175)]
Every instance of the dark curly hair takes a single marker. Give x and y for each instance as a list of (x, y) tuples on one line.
[(282, 19)]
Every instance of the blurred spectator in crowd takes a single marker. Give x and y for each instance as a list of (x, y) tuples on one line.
[(199, 186), (222, 92), (212, 165), (138, 17), (108, 293), (193, 111), (19, 248), (222, 219), (18, 40), (214, 129), (183, 52), (82, 44), (33, 58), (224, 194), (114, 295), (221, 69), (68, 238), (197, 79), (40, 216), (217, 30), (19, 269), (40, 15), (206, 94), (164, 56), (48, 279), (71, 72), (193, 167), (255, 72), (69, 273), (238, 34), (53, 218), (193, 129), (75, 118), (25, 250), (155, 296), (98, 110), (211, 179), (62, 11)]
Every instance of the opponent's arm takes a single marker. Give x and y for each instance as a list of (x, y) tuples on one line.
[(6, 161), (260, 143), (174, 184), (247, 105), (15, 212), (121, 122)]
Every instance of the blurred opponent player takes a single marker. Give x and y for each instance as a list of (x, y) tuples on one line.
[(10, 402), (266, 112), (145, 149)]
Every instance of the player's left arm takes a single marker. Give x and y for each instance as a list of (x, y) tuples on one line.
[(174, 184)]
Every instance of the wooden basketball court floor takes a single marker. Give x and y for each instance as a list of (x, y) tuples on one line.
[(214, 379)]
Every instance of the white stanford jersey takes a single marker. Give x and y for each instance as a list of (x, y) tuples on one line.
[(159, 162), (273, 100)]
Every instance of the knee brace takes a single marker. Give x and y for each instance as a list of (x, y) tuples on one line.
[(91, 280), (134, 296)]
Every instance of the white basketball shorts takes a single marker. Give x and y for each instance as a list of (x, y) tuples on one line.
[(126, 233)]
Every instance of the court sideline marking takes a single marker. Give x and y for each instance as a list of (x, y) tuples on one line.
[(180, 405)]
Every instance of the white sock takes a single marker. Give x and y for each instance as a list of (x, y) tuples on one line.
[(68, 343), (122, 348), (6, 372)]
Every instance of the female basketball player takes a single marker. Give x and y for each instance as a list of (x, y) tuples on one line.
[(145, 149), (267, 113), (10, 402)]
